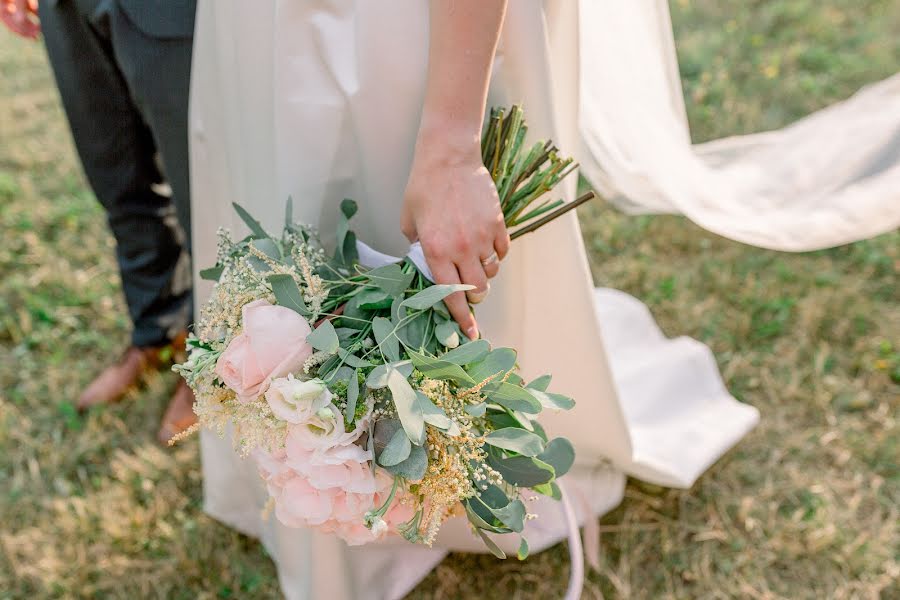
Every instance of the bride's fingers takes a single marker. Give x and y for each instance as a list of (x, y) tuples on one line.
[(501, 243), (445, 272), (472, 273)]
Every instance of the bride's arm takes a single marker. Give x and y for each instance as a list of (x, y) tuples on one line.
[(451, 204)]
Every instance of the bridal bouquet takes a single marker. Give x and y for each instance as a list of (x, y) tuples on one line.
[(366, 409)]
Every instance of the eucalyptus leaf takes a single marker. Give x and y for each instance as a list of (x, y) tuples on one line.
[(352, 359), (469, 352), (514, 397), (433, 294), (407, 407), (498, 361), (440, 309), (509, 418), (345, 248), (325, 338), (491, 545), (514, 378), (559, 454), (378, 377), (512, 515), (551, 400), (345, 333), (540, 384), (397, 450), (383, 432), (212, 273), (446, 334), (328, 369), (522, 553), (268, 247), (414, 467), (432, 414), (523, 420), (386, 338), (289, 213), (255, 228), (287, 294), (549, 489), (476, 410), (414, 330), (479, 522), (494, 501), (522, 471), (516, 440), (348, 208), (352, 397), (439, 369), (258, 264), (374, 299), (390, 279), (397, 311)]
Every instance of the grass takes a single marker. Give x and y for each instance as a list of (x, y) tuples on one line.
[(805, 507)]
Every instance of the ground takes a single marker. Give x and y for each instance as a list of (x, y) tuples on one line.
[(805, 507)]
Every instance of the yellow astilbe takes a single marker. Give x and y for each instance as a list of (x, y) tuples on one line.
[(221, 318), (316, 293), (472, 393), (450, 477), (446, 482), (209, 406)]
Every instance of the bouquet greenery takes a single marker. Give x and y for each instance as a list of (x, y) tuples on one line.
[(367, 410)]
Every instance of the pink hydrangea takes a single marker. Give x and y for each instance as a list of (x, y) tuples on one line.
[(323, 479)]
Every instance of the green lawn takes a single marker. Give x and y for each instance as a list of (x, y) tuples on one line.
[(807, 506)]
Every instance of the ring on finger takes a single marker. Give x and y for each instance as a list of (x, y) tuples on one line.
[(490, 260)]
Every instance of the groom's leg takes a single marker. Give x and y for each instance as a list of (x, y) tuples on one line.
[(158, 74), (117, 150)]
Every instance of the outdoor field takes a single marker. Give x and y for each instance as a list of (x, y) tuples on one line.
[(807, 506)]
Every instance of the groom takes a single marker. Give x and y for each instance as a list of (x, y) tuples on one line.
[(123, 72)]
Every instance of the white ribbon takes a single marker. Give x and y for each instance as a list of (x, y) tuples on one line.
[(576, 551), (372, 259)]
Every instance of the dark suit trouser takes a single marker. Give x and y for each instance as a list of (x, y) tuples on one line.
[(126, 98)]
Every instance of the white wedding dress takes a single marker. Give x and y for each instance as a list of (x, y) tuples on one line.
[(320, 100)]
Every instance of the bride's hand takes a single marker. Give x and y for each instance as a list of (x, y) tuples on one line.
[(451, 207)]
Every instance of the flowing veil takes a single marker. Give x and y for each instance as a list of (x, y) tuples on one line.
[(828, 179)]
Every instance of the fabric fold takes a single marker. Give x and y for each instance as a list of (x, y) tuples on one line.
[(831, 178)]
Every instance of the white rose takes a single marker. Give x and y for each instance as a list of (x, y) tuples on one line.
[(324, 423), (297, 401), (323, 430)]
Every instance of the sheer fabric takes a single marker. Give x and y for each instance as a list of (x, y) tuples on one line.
[(828, 179)]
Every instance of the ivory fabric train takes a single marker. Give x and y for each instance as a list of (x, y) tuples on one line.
[(831, 178), (320, 100)]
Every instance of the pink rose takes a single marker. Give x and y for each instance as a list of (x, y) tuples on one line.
[(272, 344), (302, 505), (344, 467), (323, 479)]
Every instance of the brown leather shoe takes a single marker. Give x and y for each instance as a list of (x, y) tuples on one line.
[(117, 379), (179, 415)]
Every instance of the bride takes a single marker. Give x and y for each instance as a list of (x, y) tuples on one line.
[(383, 102)]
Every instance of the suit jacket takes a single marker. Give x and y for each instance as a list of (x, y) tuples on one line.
[(162, 19)]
